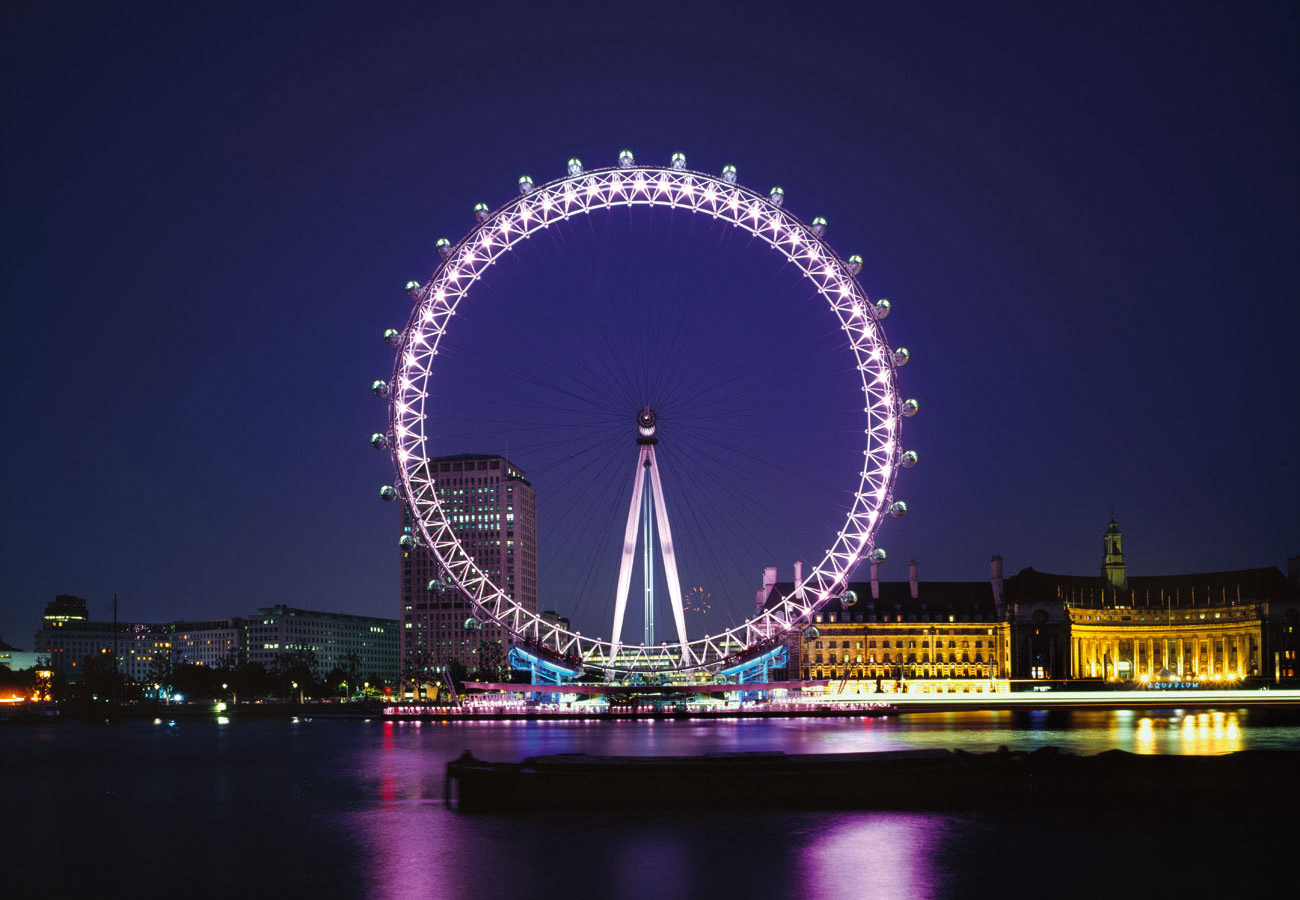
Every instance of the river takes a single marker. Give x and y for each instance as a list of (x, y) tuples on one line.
[(330, 808)]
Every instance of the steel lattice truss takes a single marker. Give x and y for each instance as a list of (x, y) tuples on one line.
[(676, 187)]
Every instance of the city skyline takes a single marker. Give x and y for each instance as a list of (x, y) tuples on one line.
[(1089, 260)]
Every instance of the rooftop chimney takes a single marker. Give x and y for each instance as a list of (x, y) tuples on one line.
[(911, 579), (798, 571), (769, 582), (875, 580), (1293, 570)]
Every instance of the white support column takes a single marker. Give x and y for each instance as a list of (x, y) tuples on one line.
[(629, 553), (648, 561), (670, 555)]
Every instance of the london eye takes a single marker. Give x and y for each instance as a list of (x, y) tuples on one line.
[(865, 362)]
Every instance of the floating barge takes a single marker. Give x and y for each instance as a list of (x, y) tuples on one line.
[(1114, 783)]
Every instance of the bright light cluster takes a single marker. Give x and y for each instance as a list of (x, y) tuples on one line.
[(677, 188)]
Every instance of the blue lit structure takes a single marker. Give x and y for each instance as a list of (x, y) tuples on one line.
[(750, 669), (544, 669)]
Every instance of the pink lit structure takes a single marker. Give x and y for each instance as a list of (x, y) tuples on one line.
[(720, 197)]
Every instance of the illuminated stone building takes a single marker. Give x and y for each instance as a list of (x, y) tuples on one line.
[(903, 636), (494, 512), (1160, 629)]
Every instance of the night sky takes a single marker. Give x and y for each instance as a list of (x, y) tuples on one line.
[(1086, 217)]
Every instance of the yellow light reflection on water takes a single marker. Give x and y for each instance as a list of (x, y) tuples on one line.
[(1197, 734)]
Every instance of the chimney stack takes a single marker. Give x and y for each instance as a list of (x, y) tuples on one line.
[(911, 579), (875, 580), (769, 582), (798, 572), (1293, 570)]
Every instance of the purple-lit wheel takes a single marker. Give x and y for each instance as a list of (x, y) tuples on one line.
[(630, 185)]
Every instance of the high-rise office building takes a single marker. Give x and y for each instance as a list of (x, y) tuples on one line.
[(493, 509)]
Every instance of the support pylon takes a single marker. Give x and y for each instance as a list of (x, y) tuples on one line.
[(647, 469)]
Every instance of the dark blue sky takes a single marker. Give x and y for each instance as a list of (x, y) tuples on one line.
[(1086, 217)]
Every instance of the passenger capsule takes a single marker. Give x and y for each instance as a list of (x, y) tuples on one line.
[(819, 226), (625, 159), (882, 308), (392, 337), (413, 290), (848, 600), (378, 441), (910, 407), (679, 161), (525, 184), (776, 195), (406, 542), (379, 387), (435, 584), (855, 264), (729, 174), (901, 356), (387, 493), (472, 624), (908, 459), (575, 166), (444, 247), (879, 555), (481, 211), (812, 633), (898, 509)]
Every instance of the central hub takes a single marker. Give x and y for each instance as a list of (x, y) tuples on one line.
[(645, 426)]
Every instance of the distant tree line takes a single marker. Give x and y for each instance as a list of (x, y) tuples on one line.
[(295, 674)]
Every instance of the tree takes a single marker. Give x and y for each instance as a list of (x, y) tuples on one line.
[(101, 678), (160, 670), (196, 682), (298, 666)]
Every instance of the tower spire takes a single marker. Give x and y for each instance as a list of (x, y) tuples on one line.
[(1113, 568)]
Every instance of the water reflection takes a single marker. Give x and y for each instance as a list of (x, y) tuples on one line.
[(876, 855), (1199, 734)]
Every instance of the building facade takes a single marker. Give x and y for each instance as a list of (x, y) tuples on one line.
[(1216, 627), (892, 637), (146, 651), (367, 644), (215, 643), (68, 638), (493, 509)]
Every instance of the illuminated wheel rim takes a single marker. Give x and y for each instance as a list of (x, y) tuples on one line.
[(540, 207)]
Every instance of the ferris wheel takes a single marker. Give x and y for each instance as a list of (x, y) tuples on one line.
[(629, 184)]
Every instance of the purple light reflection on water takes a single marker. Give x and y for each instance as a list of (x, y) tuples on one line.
[(884, 855), (354, 809)]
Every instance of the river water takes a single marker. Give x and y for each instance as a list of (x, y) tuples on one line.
[(354, 809)]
